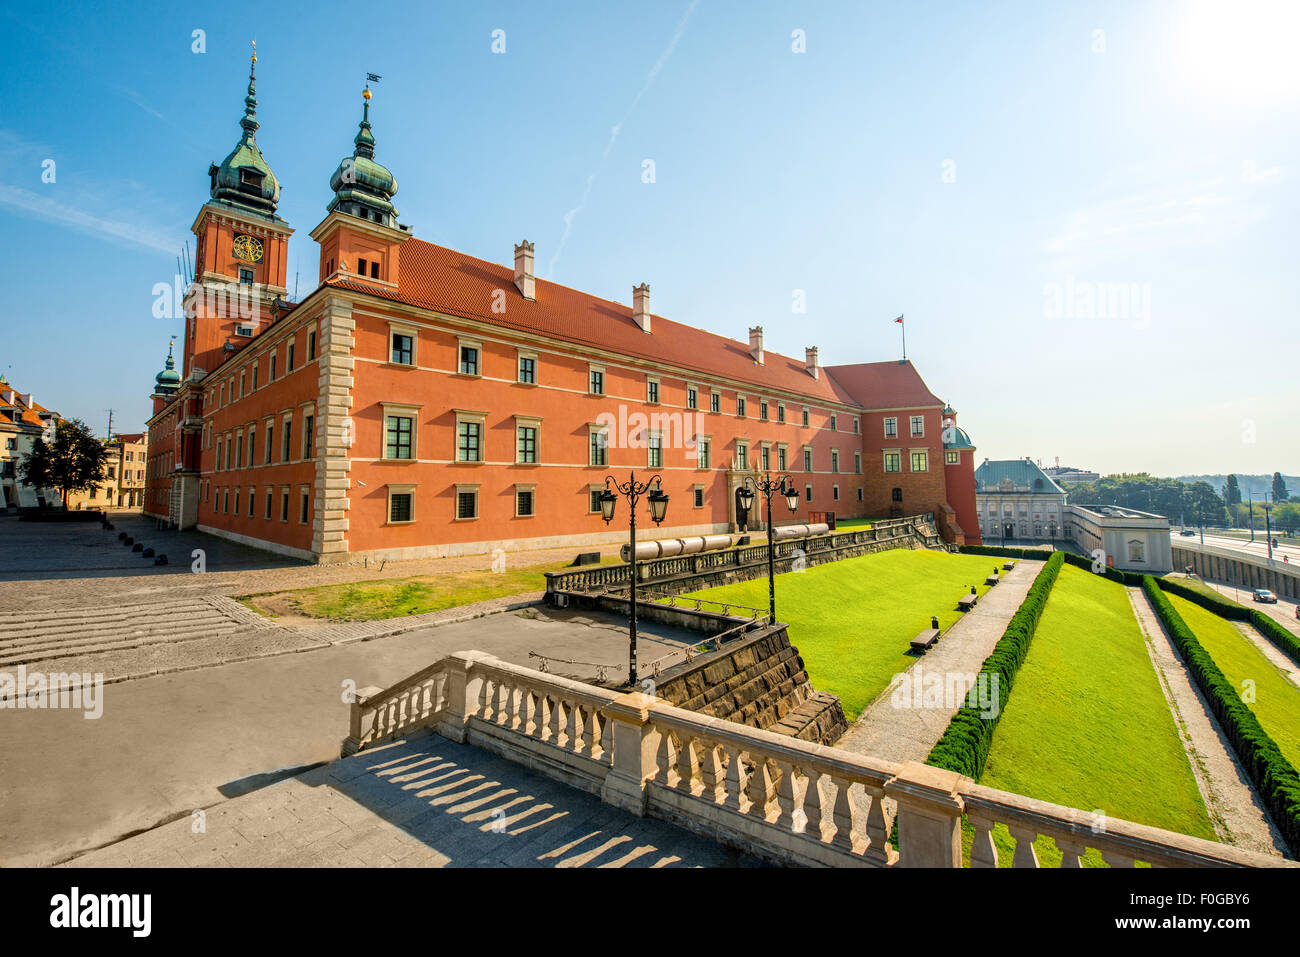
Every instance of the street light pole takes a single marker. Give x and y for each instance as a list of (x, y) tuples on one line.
[(632, 490), (767, 486), (1268, 525)]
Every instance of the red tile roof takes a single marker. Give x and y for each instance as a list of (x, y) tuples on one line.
[(434, 277), (884, 385)]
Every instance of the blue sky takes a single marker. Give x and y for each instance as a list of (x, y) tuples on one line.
[(983, 169)]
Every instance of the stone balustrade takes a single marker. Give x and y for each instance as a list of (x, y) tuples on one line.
[(767, 794)]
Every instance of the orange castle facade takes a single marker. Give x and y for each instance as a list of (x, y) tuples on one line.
[(422, 402)]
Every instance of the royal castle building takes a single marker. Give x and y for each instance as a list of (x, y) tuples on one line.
[(422, 402)]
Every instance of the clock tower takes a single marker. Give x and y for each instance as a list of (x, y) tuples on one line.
[(241, 257)]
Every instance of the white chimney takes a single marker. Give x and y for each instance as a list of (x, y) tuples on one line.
[(756, 344), (524, 277), (810, 360), (641, 306)]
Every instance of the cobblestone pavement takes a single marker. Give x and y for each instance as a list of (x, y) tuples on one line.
[(168, 744), (1238, 815), (58, 565), (423, 802), (908, 734)]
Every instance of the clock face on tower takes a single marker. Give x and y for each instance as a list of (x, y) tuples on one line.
[(247, 248)]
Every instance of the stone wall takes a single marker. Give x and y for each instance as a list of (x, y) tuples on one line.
[(757, 680)]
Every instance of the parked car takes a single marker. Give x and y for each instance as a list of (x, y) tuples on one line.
[(1264, 595), (1187, 532)]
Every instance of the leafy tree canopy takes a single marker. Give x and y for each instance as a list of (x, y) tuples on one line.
[(72, 462)]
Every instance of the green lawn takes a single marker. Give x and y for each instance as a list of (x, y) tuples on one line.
[(852, 620), (1087, 724), (1276, 701)]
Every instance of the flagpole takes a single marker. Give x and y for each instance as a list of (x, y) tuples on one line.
[(904, 331)]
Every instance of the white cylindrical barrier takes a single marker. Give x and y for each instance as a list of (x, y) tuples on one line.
[(799, 531), (669, 547)]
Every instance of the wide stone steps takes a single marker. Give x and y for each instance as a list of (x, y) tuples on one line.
[(32, 637)]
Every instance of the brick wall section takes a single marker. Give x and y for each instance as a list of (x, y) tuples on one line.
[(759, 681)]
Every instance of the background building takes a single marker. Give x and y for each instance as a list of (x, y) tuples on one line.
[(424, 402), (22, 421), (1019, 502), (124, 475), (1130, 540)]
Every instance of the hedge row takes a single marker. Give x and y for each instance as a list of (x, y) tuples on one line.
[(1037, 554), (1275, 779), (964, 747), (1114, 574), (1274, 632)]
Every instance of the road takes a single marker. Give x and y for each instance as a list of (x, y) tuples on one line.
[(1257, 548)]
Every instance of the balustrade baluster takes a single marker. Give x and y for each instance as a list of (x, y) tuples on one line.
[(1070, 852), (813, 808), (606, 737), (787, 797), (878, 825), (762, 791), (736, 779), (843, 814), (1025, 855), (556, 727), (688, 767), (1116, 859), (666, 760), (712, 773), (983, 852)]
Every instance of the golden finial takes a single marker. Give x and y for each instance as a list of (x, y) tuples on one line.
[(365, 94), (254, 51)]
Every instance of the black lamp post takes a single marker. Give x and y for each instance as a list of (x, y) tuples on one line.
[(767, 486), (1268, 527), (632, 490)]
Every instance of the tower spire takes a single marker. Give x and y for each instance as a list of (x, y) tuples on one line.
[(249, 122), (365, 139)]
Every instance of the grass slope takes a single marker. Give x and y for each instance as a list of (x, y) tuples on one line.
[(852, 620), (1088, 725), (1277, 700)]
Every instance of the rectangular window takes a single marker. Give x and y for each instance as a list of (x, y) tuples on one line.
[(469, 442), (593, 500), (403, 352), (762, 410), (699, 497), (857, 425), (597, 384), (780, 458), (835, 460), (239, 451), (920, 462), (766, 455), (807, 493), (780, 412), (740, 405), (807, 460), (918, 425), (304, 504), (835, 493), (225, 500), (308, 426), (599, 447), (467, 504), (374, 270), (256, 366), (361, 267), (311, 350), (527, 444), (400, 506), (652, 391), (399, 431), (692, 397), (287, 450), (715, 402), (805, 417), (859, 493), (833, 428), (891, 428), (952, 458), (272, 375), (284, 505), (703, 449), (468, 360), (742, 456), (857, 463), (655, 451), (269, 495), (528, 369), (242, 377), (270, 442), (893, 461), (523, 502), (245, 276), (288, 365)]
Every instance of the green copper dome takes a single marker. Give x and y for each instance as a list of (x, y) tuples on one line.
[(244, 179), (361, 186), (169, 380)]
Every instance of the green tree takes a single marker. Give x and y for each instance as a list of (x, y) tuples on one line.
[(1280, 493), (1203, 505), (73, 462), (1287, 517), (1232, 492)]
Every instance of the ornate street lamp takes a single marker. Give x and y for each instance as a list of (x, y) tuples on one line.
[(632, 490), (783, 486)]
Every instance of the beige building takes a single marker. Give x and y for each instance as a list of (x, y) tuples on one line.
[(1123, 538), (1018, 502), (123, 485)]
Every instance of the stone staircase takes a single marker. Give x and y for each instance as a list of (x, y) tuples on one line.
[(27, 637)]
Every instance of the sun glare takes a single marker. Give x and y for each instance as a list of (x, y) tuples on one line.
[(1243, 51)]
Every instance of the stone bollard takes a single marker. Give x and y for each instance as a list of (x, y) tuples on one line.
[(147, 553), (160, 560), (137, 547)]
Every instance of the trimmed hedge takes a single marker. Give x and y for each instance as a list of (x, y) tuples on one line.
[(964, 747), (1038, 554), (1274, 777), (1133, 579), (1286, 642)]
